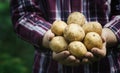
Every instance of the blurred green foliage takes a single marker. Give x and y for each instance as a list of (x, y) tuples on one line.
[(9, 64), (16, 55)]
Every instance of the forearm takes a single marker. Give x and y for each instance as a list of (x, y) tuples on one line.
[(111, 39), (112, 31)]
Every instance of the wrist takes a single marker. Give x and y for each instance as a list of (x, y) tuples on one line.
[(109, 37)]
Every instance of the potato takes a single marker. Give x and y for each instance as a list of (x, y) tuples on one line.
[(93, 39), (58, 27), (74, 32), (77, 49), (76, 18), (58, 44), (93, 27)]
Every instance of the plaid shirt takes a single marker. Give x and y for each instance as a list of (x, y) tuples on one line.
[(32, 18)]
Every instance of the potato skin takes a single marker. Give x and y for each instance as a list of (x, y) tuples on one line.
[(58, 44), (58, 27), (77, 49), (93, 26), (76, 18), (93, 39), (74, 32)]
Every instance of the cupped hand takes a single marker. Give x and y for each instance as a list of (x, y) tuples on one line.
[(66, 58), (95, 53)]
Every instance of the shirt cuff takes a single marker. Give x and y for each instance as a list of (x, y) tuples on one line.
[(32, 28)]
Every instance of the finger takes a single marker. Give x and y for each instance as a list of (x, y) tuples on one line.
[(89, 55), (51, 35), (50, 38), (103, 36), (60, 56), (99, 52), (103, 39), (71, 58)]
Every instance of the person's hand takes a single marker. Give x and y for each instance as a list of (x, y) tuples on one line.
[(47, 37), (96, 54), (66, 58)]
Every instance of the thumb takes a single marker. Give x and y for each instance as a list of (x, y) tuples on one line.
[(99, 52), (60, 56), (51, 36)]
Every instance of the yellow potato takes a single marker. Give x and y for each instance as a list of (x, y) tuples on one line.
[(76, 18), (93, 39), (93, 27), (58, 27), (74, 32), (58, 44), (77, 49)]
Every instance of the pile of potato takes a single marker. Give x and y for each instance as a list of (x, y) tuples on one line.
[(76, 35)]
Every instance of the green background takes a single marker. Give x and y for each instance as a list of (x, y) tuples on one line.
[(16, 55)]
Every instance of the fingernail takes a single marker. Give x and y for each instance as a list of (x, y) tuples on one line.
[(94, 51), (66, 53)]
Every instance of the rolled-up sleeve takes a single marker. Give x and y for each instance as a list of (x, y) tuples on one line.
[(28, 20)]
